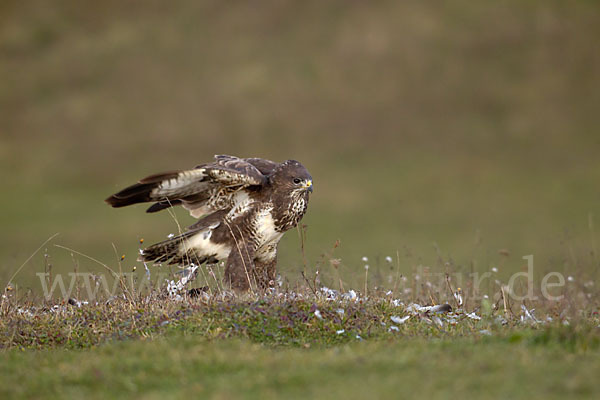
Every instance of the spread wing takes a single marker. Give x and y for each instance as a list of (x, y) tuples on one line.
[(202, 190)]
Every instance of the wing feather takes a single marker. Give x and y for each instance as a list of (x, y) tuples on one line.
[(266, 167), (201, 190)]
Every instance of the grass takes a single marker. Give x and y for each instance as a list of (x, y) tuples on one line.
[(178, 366), (300, 339), (301, 321), (312, 341), (303, 338), (276, 346)]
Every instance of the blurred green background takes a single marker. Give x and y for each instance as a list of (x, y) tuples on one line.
[(450, 129)]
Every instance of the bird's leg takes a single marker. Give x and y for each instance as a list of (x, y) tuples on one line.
[(239, 271), (264, 273)]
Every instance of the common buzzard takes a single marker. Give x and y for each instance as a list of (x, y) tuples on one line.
[(244, 206)]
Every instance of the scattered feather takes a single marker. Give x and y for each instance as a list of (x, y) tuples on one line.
[(399, 320), (351, 295), (473, 316), (528, 315), (188, 274), (441, 308)]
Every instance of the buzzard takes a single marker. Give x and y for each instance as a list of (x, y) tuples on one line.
[(244, 206)]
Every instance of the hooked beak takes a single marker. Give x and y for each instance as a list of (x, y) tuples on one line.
[(308, 186)]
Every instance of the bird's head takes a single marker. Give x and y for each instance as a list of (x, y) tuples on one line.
[(291, 176)]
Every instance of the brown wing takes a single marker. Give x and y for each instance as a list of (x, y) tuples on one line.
[(263, 165), (198, 190), (234, 171)]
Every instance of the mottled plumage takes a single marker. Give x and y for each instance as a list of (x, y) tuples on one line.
[(244, 204)]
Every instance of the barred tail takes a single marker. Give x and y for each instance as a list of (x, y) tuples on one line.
[(175, 250)]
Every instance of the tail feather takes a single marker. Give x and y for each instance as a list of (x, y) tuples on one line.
[(163, 251), (175, 251)]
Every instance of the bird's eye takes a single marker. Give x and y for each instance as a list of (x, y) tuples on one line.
[(297, 180)]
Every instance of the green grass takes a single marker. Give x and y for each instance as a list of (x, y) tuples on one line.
[(181, 366), (269, 320), (257, 346)]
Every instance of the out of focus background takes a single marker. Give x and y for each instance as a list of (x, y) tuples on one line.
[(463, 131)]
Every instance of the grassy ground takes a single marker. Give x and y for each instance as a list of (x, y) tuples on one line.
[(273, 347), (315, 342), (187, 366)]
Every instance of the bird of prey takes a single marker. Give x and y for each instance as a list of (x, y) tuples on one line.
[(244, 206)]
